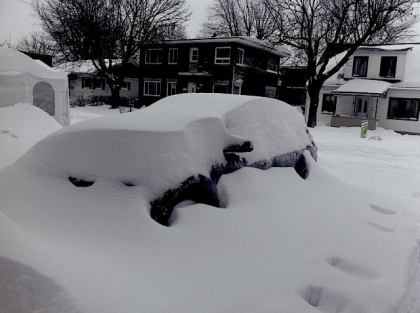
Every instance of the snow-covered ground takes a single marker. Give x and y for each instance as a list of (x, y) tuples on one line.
[(282, 243), (80, 114), (385, 162)]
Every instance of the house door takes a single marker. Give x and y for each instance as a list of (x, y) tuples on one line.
[(43, 97), (192, 87), (360, 106)]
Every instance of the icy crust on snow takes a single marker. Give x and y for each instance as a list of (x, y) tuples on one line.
[(175, 138), (281, 244), (21, 126)]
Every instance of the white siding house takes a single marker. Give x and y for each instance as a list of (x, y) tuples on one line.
[(380, 84), (85, 86)]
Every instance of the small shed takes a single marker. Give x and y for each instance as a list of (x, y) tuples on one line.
[(24, 80)]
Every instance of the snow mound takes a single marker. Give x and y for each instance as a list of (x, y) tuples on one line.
[(281, 243), (21, 126), (36, 293), (175, 138)]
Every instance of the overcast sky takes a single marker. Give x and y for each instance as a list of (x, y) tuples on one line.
[(18, 19)]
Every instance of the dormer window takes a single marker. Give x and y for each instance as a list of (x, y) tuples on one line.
[(388, 67), (360, 66)]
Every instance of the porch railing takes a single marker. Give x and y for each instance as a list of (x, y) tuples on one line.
[(352, 121)]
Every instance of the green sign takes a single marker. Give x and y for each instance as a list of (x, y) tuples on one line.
[(364, 129)]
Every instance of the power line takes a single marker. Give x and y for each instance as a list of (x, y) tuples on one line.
[(25, 2)]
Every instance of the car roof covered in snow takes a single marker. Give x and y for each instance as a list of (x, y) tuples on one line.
[(173, 113), (188, 132)]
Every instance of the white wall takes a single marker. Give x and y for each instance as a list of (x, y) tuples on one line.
[(374, 63), (322, 118), (344, 105), (77, 91), (398, 125)]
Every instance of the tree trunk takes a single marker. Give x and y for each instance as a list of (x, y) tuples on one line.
[(313, 92), (115, 96)]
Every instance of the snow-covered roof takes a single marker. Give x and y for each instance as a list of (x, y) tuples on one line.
[(401, 47), (82, 66), (13, 61), (363, 87), (337, 78), (244, 40)]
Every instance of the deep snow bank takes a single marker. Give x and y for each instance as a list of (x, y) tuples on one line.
[(282, 243), (21, 126)]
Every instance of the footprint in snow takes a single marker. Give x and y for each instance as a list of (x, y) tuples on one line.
[(14, 136), (4, 131), (351, 268), (379, 209), (380, 227), (325, 300)]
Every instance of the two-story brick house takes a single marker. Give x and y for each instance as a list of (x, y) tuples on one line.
[(234, 65), (380, 84)]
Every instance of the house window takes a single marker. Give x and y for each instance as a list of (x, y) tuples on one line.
[(151, 88), (153, 56), (87, 83), (126, 86), (222, 55), (237, 89), (173, 56), (360, 66), (272, 64), (194, 55), (388, 67), (171, 88), (97, 83), (329, 103), (221, 87), (403, 109), (240, 56), (270, 91)]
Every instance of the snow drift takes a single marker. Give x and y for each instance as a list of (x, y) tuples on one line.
[(282, 243), (180, 139), (21, 126)]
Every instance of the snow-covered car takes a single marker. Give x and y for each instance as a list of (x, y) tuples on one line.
[(78, 214), (180, 147)]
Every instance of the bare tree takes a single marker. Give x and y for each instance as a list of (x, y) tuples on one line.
[(319, 29), (8, 43), (239, 18), (108, 32), (36, 43)]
